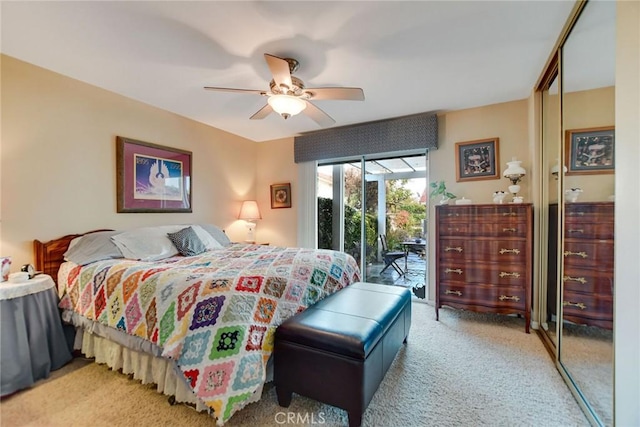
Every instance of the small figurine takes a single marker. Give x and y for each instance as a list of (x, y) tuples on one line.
[(572, 194), (498, 197)]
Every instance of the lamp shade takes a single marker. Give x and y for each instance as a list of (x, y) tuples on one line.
[(249, 211), (514, 168), (286, 105)]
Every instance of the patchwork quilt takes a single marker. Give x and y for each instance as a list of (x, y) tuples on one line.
[(214, 314)]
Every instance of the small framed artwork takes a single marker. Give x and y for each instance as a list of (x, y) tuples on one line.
[(280, 196), (152, 178), (477, 160), (590, 151)]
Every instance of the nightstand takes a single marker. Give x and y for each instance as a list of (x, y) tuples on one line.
[(32, 339)]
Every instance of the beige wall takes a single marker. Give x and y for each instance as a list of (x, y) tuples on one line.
[(275, 166), (508, 122), (58, 160)]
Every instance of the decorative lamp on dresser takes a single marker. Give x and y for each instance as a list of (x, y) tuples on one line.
[(483, 258), (587, 296)]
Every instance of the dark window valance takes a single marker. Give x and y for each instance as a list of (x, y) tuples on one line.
[(403, 133)]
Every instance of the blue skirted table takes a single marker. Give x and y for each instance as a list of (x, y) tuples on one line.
[(32, 341)]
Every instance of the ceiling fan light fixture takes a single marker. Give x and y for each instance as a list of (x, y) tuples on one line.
[(286, 105)]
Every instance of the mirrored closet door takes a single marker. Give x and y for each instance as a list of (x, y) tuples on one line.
[(588, 116), (577, 213)]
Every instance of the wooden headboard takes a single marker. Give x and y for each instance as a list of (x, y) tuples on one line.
[(49, 255)]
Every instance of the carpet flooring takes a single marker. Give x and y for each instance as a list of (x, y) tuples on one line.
[(467, 369)]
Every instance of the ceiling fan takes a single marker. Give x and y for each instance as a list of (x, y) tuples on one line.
[(288, 95)]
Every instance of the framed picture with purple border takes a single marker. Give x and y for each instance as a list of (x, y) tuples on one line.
[(152, 178)]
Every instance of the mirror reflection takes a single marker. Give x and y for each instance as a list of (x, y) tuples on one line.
[(586, 342)]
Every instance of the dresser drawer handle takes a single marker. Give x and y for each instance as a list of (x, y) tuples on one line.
[(451, 270), (509, 251), (512, 297), (449, 249), (448, 292), (580, 254), (513, 230), (575, 213), (453, 214), (577, 230), (509, 214), (506, 274), (580, 305), (453, 229), (575, 279)]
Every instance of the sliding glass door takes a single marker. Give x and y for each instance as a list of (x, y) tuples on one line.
[(363, 201)]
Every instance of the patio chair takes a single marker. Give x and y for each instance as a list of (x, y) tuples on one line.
[(390, 257)]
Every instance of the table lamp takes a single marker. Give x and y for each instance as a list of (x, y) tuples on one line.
[(250, 212), (514, 173)]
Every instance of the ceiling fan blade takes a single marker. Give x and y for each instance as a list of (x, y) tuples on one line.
[(318, 116), (228, 89), (262, 113), (344, 93), (279, 69)]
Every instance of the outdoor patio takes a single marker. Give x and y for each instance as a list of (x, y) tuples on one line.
[(415, 276)]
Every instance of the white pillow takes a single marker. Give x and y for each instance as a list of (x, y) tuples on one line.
[(207, 239), (217, 234), (92, 247), (147, 243)]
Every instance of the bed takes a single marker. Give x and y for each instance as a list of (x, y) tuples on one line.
[(199, 325)]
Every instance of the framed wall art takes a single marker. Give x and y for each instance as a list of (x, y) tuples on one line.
[(280, 196), (152, 178), (477, 160), (590, 151)]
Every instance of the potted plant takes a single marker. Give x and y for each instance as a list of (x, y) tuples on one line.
[(439, 188)]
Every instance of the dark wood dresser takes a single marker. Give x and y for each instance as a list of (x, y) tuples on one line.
[(484, 255), (588, 262)]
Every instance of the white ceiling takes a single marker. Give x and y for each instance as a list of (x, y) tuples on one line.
[(409, 57)]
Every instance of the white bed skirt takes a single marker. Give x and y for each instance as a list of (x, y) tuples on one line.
[(145, 368), (133, 356), (140, 358)]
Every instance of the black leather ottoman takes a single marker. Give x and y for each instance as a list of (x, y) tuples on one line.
[(338, 351)]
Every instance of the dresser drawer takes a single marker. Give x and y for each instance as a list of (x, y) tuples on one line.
[(589, 212), (515, 250), (490, 213), (594, 254), (483, 273), (484, 229), (502, 251), (578, 306), (484, 295), (588, 281), (589, 230)]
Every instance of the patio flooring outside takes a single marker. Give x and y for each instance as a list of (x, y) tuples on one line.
[(415, 276)]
